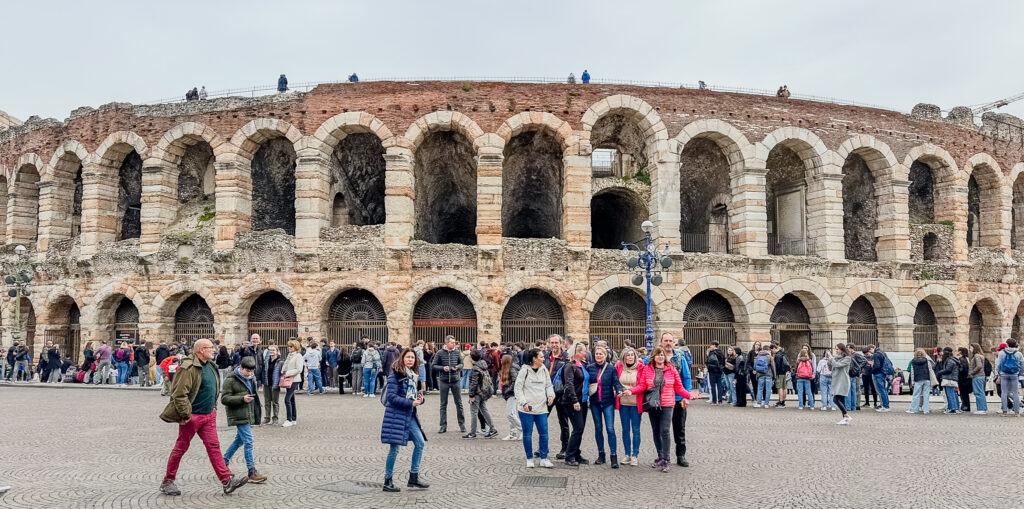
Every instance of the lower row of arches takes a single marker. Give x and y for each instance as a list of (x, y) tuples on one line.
[(618, 317)]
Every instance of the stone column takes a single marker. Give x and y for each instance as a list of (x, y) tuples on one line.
[(995, 218), (748, 216), (159, 204), (488, 197), (312, 206), (234, 202), (22, 216), (893, 231), (954, 208), (399, 191), (664, 204), (576, 195), (55, 204), (825, 213), (99, 208)]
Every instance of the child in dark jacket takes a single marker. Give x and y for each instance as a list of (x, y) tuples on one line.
[(480, 390), (237, 397)]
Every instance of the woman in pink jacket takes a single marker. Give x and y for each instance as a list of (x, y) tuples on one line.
[(664, 383)]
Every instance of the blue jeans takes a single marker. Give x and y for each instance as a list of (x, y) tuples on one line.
[(764, 389), (369, 380), (423, 375), (314, 379), (978, 384), (952, 401), (122, 372), (630, 429), (417, 451), (922, 390), (881, 389), (730, 379), (825, 385), (606, 414), (1009, 385), (465, 378), (716, 387), (528, 420), (242, 438), (851, 397), (803, 388)]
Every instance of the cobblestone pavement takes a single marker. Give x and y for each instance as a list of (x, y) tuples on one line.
[(92, 448)]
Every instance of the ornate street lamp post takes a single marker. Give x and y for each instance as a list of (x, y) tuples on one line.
[(646, 265), (17, 287)]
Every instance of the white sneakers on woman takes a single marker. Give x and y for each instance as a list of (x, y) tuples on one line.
[(529, 463), (544, 463), (288, 423), (844, 421)]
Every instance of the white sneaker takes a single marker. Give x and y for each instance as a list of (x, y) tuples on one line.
[(288, 423), (824, 408), (546, 463), (979, 412), (509, 437), (910, 411), (636, 461), (529, 463), (882, 409)]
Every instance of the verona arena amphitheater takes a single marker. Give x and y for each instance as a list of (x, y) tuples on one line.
[(495, 211)]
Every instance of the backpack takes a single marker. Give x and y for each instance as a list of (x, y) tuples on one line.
[(557, 384), (887, 367), (761, 365), (855, 367), (804, 370), (486, 386), (120, 356), (1010, 366), (988, 368), (713, 362)]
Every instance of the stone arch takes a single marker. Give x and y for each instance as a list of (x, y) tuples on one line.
[(336, 128), (445, 177), (70, 147), (61, 194), (743, 304), (539, 121), (637, 110), (989, 332), (532, 313), (172, 295), (869, 169), (352, 313), (942, 300), (935, 157), (53, 305), (325, 297), (533, 184), (807, 145), (105, 301), (252, 289), (730, 141), (795, 160), (814, 297), (889, 308), (1016, 184), (120, 154), (247, 140), (662, 305), (23, 201), (620, 316), (117, 145), (878, 156), (441, 121), (445, 310), (173, 143), (992, 206), (616, 214)]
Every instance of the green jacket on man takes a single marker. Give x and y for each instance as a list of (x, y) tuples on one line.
[(184, 389), (239, 412)]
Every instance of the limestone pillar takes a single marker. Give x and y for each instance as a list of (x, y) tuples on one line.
[(488, 197), (99, 207), (996, 219), (953, 200), (22, 215), (664, 204), (825, 213), (576, 195), (893, 232), (234, 202), (159, 204), (312, 206), (748, 216), (399, 192), (55, 205)]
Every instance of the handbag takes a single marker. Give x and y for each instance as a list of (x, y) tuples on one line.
[(592, 388), (931, 377), (948, 383), (286, 382), (652, 400)]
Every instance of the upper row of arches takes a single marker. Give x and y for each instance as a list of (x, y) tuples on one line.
[(776, 194)]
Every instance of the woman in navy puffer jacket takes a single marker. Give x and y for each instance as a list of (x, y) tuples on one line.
[(400, 421)]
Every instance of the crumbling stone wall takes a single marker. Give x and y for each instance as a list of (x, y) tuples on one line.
[(921, 194), (357, 175), (531, 192), (273, 186), (129, 196), (703, 177), (445, 189), (860, 210), (192, 170), (618, 132), (785, 173), (941, 248)]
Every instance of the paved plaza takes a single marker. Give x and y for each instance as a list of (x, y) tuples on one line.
[(91, 447)]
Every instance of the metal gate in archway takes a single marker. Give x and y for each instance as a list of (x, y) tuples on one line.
[(620, 317), (708, 318), (272, 316), (355, 314), (193, 320), (126, 322), (442, 312), (67, 337), (530, 316)]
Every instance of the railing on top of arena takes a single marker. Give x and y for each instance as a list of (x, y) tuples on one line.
[(306, 86)]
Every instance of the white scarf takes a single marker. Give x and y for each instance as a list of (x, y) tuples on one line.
[(414, 378)]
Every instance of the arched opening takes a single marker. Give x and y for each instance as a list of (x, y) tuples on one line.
[(619, 148), (531, 315), (23, 212), (860, 210), (792, 328), (193, 320), (196, 182), (620, 317), (273, 186), (985, 224), (862, 325), (126, 321), (445, 181), (973, 213), (930, 246), (129, 197), (354, 314), (615, 217), (61, 217), (272, 316), (28, 327), (976, 324), (3, 210), (708, 317), (531, 187), (921, 194), (65, 330), (926, 327), (442, 312), (704, 197), (357, 181), (786, 202), (1017, 214)]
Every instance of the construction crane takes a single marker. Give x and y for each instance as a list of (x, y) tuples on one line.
[(997, 104)]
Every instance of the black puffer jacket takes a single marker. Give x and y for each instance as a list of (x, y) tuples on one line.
[(572, 380), (920, 367), (949, 369), (452, 359)]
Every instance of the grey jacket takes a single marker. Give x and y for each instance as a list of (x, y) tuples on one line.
[(840, 366)]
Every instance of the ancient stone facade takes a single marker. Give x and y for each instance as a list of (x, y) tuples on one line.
[(415, 209)]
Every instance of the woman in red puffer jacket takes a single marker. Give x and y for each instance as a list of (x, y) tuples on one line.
[(664, 379)]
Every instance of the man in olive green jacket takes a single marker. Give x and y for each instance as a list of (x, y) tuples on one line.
[(193, 406)]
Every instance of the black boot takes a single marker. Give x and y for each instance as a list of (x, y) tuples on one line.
[(600, 459), (559, 456), (615, 461), (390, 486), (681, 461), (414, 481)]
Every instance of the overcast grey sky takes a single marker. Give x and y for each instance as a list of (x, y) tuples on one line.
[(56, 56)]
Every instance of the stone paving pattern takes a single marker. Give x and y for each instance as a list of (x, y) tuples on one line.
[(85, 448)]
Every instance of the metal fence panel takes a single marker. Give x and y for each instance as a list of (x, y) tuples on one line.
[(275, 333), (618, 332), (349, 332), (530, 331), (435, 330), (188, 332)]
